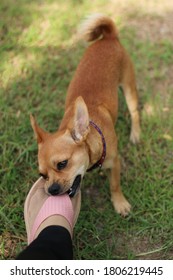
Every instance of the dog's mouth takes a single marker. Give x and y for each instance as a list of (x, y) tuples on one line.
[(76, 184)]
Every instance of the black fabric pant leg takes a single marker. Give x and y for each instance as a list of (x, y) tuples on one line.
[(53, 243)]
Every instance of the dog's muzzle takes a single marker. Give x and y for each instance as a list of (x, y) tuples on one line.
[(54, 189), (76, 184)]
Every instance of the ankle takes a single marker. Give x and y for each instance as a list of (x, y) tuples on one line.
[(57, 220)]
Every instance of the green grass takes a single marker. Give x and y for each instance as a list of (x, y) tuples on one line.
[(38, 59)]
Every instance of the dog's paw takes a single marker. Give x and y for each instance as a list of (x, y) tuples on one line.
[(121, 205), (135, 137)]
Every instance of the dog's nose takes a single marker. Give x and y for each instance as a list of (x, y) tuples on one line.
[(54, 189)]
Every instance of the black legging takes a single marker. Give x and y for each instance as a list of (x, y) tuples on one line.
[(53, 243)]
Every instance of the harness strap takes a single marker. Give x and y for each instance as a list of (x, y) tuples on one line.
[(99, 163)]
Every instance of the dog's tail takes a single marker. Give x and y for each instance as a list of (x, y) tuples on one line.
[(96, 26)]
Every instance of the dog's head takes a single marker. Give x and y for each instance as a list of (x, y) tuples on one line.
[(62, 156)]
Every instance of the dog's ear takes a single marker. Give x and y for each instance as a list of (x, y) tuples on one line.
[(81, 121), (40, 134)]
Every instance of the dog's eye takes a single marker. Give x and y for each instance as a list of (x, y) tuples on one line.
[(43, 175), (61, 165)]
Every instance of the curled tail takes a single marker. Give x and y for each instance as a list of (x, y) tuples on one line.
[(95, 26)]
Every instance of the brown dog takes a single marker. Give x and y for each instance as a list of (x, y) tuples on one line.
[(86, 137)]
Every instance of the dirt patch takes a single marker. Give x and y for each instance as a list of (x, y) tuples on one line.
[(140, 248), (143, 248), (9, 243), (153, 29), (153, 23), (152, 20)]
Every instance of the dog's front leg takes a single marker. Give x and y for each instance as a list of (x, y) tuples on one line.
[(120, 203)]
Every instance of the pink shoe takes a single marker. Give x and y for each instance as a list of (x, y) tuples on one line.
[(42, 210)]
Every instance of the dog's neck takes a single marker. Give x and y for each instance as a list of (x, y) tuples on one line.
[(99, 162)]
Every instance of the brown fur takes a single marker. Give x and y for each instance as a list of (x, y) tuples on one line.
[(92, 95)]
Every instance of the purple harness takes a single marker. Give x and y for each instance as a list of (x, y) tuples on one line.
[(99, 163)]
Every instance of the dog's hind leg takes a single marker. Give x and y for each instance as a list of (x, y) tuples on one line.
[(128, 84)]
